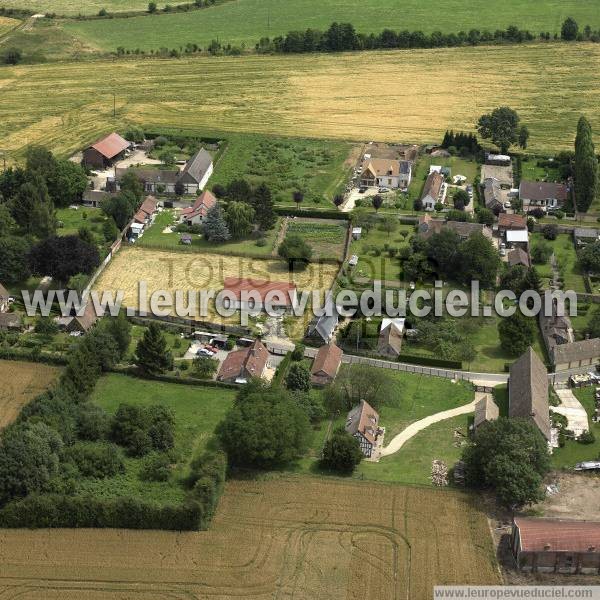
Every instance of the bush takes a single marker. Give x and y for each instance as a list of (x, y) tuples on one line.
[(587, 437), (341, 453), (550, 232), (156, 467), (96, 459)]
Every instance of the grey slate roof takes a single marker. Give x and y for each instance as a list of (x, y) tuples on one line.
[(485, 410), (528, 391), (491, 193), (585, 233), (518, 256), (10, 320), (575, 351), (405, 167), (197, 166)]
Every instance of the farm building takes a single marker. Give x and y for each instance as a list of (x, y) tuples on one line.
[(93, 198), (518, 256), (155, 181), (528, 391), (502, 174), (247, 363), (486, 410), (434, 191), (4, 299), (556, 546), (363, 423), (197, 172), (542, 194), (326, 365), (256, 294), (575, 354), (390, 337), (195, 215), (105, 152), (429, 226)]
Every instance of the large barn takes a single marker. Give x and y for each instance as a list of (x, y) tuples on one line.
[(105, 152)]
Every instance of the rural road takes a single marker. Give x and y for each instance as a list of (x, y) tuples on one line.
[(414, 428)]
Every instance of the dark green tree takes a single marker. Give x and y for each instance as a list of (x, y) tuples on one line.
[(264, 207), (509, 456), (295, 250), (589, 258), (110, 230), (14, 265), (341, 453), (569, 29), (239, 217), (586, 166), (298, 377), (479, 261), (516, 333), (215, 227), (152, 354), (501, 126)]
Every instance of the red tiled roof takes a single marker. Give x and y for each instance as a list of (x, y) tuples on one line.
[(512, 221), (247, 362), (238, 284), (554, 534), (111, 145), (363, 419), (327, 361), (204, 202)]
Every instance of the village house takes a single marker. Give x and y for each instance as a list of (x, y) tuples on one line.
[(492, 194), (323, 328), (105, 152), (10, 321), (197, 172), (528, 391), (503, 174), (4, 299), (434, 191), (585, 235), (542, 194), (278, 294), (326, 365), (518, 256), (391, 333), (514, 229), (575, 354), (383, 172), (556, 330), (362, 422), (556, 546), (79, 324), (429, 226), (155, 181), (93, 198), (242, 365), (195, 215), (486, 410)]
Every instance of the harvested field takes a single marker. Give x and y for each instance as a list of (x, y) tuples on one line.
[(321, 96), (6, 24), (295, 537), (172, 270), (21, 382)]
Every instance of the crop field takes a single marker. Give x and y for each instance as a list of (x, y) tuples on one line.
[(325, 237), (6, 24), (21, 382), (318, 96), (317, 167), (291, 537), (74, 7), (246, 21)]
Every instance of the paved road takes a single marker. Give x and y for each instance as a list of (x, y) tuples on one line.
[(414, 428)]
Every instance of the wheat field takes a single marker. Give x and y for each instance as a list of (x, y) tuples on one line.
[(295, 537), (414, 96)]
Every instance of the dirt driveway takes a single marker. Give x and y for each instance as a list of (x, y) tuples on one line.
[(577, 498)]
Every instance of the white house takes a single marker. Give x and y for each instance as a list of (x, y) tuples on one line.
[(434, 191), (383, 172), (195, 215)]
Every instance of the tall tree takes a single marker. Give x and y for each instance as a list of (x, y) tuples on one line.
[(295, 250), (264, 207), (586, 166), (66, 183), (215, 227), (14, 264), (152, 354), (32, 207), (239, 217), (479, 260), (501, 126), (516, 333), (341, 453), (569, 29)]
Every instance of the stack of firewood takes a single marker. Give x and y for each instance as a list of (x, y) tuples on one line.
[(439, 473)]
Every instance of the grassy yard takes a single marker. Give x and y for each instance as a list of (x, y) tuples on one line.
[(574, 452), (374, 261), (319, 96), (564, 250), (326, 237), (246, 21), (316, 167), (72, 219), (197, 412), (531, 171), (154, 237)]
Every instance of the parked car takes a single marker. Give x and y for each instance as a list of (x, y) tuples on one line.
[(204, 352), (384, 190), (362, 189), (502, 251), (507, 205)]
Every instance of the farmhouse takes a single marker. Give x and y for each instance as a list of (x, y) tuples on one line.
[(278, 294), (195, 215), (4, 299), (518, 256), (326, 365), (503, 174), (575, 354), (93, 198), (105, 152), (247, 363), (556, 545), (493, 194), (486, 410), (363, 423), (197, 172), (384, 172), (528, 391), (542, 194), (155, 181), (429, 226), (434, 191), (390, 337)]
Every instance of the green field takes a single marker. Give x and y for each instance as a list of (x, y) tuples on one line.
[(316, 167), (319, 96), (73, 7), (197, 411), (246, 21), (325, 237)]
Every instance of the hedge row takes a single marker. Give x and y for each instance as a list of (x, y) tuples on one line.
[(33, 355), (430, 361)]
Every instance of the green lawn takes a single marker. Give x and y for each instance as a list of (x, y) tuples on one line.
[(574, 452), (246, 21), (154, 237), (531, 171), (317, 167), (564, 250), (197, 411), (72, 220)]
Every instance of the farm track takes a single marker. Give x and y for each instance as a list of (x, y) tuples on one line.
[(321, 96), (294, 537)]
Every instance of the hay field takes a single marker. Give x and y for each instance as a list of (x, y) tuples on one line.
[(172, 271), (6, 24), (322, 96), (246, 21), (21, 382), (75, 7), (300, 538)]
